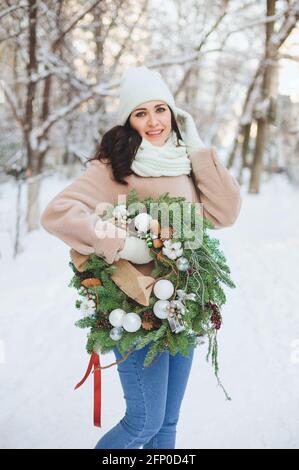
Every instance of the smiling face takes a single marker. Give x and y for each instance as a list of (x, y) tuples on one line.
[(152, 120)]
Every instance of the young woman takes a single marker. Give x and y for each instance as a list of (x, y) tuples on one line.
[(155, 148)]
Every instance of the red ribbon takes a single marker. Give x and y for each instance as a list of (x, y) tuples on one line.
[(95, 362)]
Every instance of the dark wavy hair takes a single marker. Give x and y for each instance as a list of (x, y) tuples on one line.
[(118, 148)]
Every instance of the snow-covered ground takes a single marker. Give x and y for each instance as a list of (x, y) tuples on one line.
[(42, 353)]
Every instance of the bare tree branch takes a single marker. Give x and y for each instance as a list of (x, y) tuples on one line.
[(295, 58), (11, 9), (129, 33), (74, 23)]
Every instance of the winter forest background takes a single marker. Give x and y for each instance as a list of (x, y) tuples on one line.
[(234, 65)]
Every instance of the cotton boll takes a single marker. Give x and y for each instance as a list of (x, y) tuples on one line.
[(88, 307)]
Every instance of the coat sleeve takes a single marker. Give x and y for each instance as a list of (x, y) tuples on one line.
[(72, 215), (217, 189)]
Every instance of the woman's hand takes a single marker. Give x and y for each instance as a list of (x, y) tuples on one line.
[(188, 130), (135, 250)]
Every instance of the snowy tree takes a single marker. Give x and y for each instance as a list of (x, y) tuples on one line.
[(62, 62)]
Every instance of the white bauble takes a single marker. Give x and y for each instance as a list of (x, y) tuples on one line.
[(160, 309), (116, 333), (131, 322), (163, 289), (143, 222), (116, 317)]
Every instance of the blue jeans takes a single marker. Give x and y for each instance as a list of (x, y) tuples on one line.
[(153, 399)]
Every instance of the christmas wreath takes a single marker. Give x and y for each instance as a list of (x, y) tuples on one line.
[(175, 307)]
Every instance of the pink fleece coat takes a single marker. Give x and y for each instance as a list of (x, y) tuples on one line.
[(71, 216)]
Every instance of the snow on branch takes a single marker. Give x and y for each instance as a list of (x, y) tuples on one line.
[(287, 26), (75, 22), (12, 102), (258, 22), (62, 112), (11, 9)]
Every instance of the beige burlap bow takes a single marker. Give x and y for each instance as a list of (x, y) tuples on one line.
[(132, 282)]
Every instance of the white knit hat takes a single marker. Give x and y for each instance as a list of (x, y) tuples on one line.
[(140, 84)]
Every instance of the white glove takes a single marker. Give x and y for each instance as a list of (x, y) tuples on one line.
[(188, 130), (135, 250)]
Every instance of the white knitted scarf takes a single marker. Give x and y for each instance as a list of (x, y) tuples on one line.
[(166, 160)]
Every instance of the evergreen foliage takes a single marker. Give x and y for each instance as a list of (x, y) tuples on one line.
[(208, 271)]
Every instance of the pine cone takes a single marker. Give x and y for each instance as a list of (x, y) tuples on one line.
[(147, 325), (150, 318), (148, 315), (157, 323), (103, 323)]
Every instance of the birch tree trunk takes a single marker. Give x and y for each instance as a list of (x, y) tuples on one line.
[(32, 190), (262, 121)]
